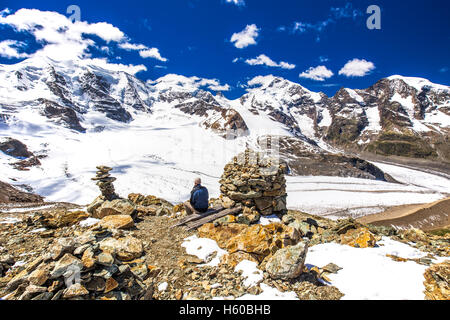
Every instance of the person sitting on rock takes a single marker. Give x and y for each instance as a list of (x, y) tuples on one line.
[(199, 199)]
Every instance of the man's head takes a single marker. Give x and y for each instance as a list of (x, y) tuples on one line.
[(197, 181)]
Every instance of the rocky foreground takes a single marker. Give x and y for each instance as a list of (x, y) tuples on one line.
[(65, 253), (129, 249)]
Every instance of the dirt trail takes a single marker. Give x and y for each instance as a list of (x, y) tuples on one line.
[(427, 217)]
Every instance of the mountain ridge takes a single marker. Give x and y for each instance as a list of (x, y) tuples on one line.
[(62, 111)]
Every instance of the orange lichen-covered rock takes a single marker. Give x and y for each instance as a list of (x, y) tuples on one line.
[(233, 259), (263, 240), (258, 240), (121, 221), (437, 281), (255, 239), (359, 238), (222, 233)]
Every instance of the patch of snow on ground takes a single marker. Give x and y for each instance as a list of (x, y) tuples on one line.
[(26, 209), (89, 222), (368, 274), (162, 286), (204, 249), (9, 220), (249, 271), (265, 220)]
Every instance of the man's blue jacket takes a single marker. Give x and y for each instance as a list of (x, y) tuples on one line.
[(199, 198)]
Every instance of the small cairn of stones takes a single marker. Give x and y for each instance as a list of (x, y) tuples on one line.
[(256, 183), (105, 182)]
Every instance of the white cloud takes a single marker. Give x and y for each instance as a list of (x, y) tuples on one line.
[(102, 62), (319, 73), (4, 12), (262, 59), (64, 40), (286, 65), (335, 14), (246, 37), (239, 3), (357, 68), (132, 47), (179, 82), (152, 53), (213, 84), (9, 49), (144, 51)]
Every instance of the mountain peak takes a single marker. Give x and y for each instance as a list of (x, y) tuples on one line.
[(418, 83)]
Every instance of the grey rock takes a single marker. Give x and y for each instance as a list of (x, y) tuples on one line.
[(287, 263)]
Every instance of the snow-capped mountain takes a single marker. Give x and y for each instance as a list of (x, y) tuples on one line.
[(75, 116)]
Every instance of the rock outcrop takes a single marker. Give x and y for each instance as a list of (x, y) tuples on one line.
[(256, 183), (437, 281), (93, 265), (10, 194), (288, 263)]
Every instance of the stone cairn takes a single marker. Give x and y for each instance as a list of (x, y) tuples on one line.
[(256, 183), (97, 264), (105, 182)]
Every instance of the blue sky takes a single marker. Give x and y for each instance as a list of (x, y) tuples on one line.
[(321, 44)]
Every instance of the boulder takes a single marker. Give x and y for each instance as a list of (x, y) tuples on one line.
[(105, 259), (125, 249), (256, 239), (117, 222), (413, 235), (359, 238), (67, 262), (287, 263), (88, 258), (221, 233), (39, 277), (139, 199), (437, 281), (74, 291), (92, 208), (233, 259), (60, 247), (62, 218), (32, 291), (114, 207), (227, 202)]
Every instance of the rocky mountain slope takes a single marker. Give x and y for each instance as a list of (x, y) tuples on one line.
[(396, 116)]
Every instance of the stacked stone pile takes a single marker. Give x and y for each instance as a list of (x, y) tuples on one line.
[(109, 203), (105, 182), (256, 183), (97, 264)]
